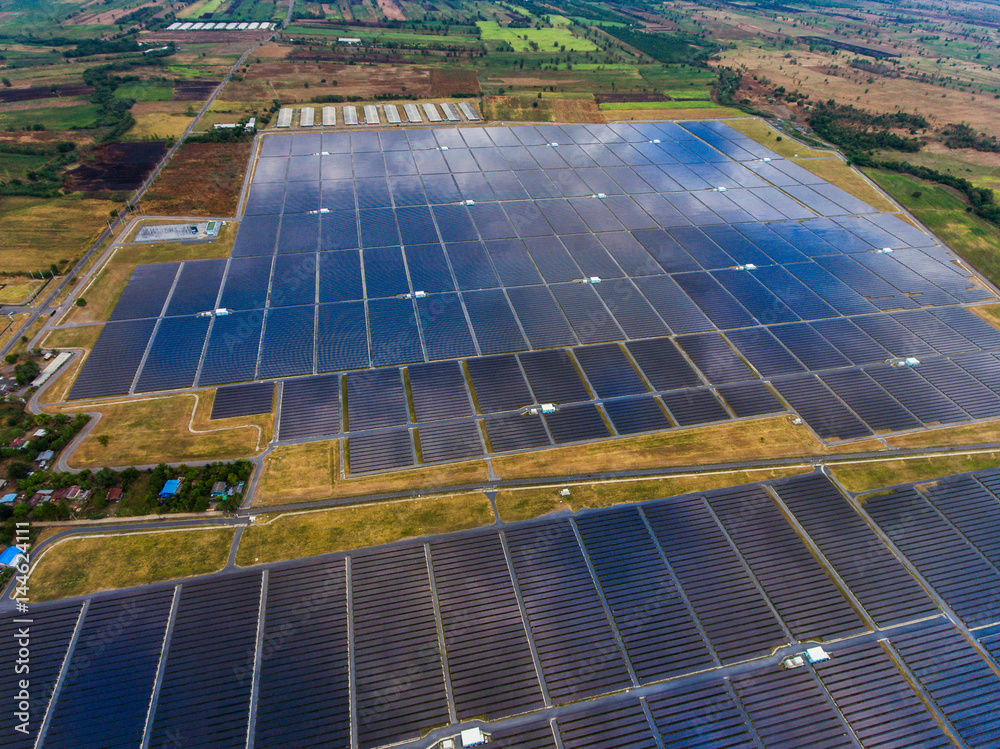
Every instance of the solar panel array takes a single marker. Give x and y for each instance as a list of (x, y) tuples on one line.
[(720, 265), (544, 628)]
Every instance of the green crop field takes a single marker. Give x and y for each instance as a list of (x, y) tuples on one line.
[(52, 118), (545, 39), (146, 91), (660, 105)]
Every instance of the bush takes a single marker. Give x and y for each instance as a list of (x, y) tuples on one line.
[(916, 194), (26, 372), (17, 470), (10, 358), (81, 302)]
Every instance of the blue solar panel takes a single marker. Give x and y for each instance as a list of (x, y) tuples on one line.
[(541, 318), (378, 227), (512, 262), (287, 347), (633, 313), (663, 364), (820, 408), (445, 329), (340, 276), (380, 451), (666, 250), (764, 352), (174, 354), (438, 390), (111, 365), (751, 399), (851, 341), (293, 280), (552, 259), (472, 266), (715, 358), (633, 415), (456, 440), (385, 273), (753, 295), (341, 337), (493, 321), (879, 410), (553, 377), (310, 407), (428, 268), (576, 423), (233, 344), (246, 283), (197, 287), (394, 335), (609, 371), (690, 407), (375, 399), (299, 233), (516, 432), (499, 384), (714, 301), (256, 235), (589, 317), (243, 400), (146, 291), (338, 231)]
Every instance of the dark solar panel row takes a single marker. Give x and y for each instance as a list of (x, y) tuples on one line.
[(655, 623), (214, 635), (380, 451), (573, 630), (233, 346), (395, 632), (946, 559), (820, 408), (305, 636), (791, 709), (777, 555), (489, 661), (146, 292), (972, 509), (454, 440), (880, 706), (243, 400), (310, 407), (122, 675), (623, 725), (50, 636), (956, 677), (172, 361), (114, 360), (726, 600), (883, 586)]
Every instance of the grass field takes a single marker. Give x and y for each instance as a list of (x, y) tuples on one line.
[(311, 471), (158, 121), (760, 131), (838, 173), (770, 437), (79, 566), (146, 91), (52, 118), (155, 430), (525, 504), (554, 39), (866, 476), (983, 433), (943, 212), (639, 105), (17, 290), (296, 535), (40, 231), (686, 112)]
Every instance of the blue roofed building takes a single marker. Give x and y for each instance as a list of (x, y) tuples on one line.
[(170, 488), (10, 557), (8, 499)]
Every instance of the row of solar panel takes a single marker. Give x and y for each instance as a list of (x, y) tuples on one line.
[(712, 590), (284, 144)]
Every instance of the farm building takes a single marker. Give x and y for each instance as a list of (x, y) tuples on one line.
[(170, 488)]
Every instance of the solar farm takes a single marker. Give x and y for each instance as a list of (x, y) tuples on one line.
[(440, 294), (777, 614)]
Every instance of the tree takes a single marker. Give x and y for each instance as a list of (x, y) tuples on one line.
[(81, 302), (17, 471), (106, 478), (26, 372), (128, 476)]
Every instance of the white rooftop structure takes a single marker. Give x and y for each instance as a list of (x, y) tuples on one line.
[(391, 114), (350, 115), (50, 369), (242, 26), (284, 117), (469, 112), (197, 27), (253, 26), (473, 737), (308, 118), (371, 114), (431, 111), (329, 116), (450, 112), (412, 113), (348, 40), (174, 26), (185, 26)]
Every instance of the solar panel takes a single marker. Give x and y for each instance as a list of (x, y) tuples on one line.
[(380, 451), (541, 318), (246, 283), (630, 309), (663, 364), (921, 398), (375, 399), (633, 415), (576, 423), (395, 339), (197, 287), (385, 272), (590, 319), (692, 715), (553, 377), (207, 607), (310, 407), (656, 627), (493, 321), (341, 337), (514, 431), (174, 354), (394, 623), (539, 553), (820, 408), (233, 344), (288, 343), (714, 301), (609, 371), (438, 391), (444, 326), (809, 346), (113, 361), (764, 352), (293, 280), (455, 440), (753, 295), (714, 357), (146, 292), (698, 406), (498, 383), (751, 399), (465, 571), (243, 400)]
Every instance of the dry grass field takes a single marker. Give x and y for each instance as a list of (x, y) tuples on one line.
[(40, 231), (869, 475), (188, 187), (80, 566)]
